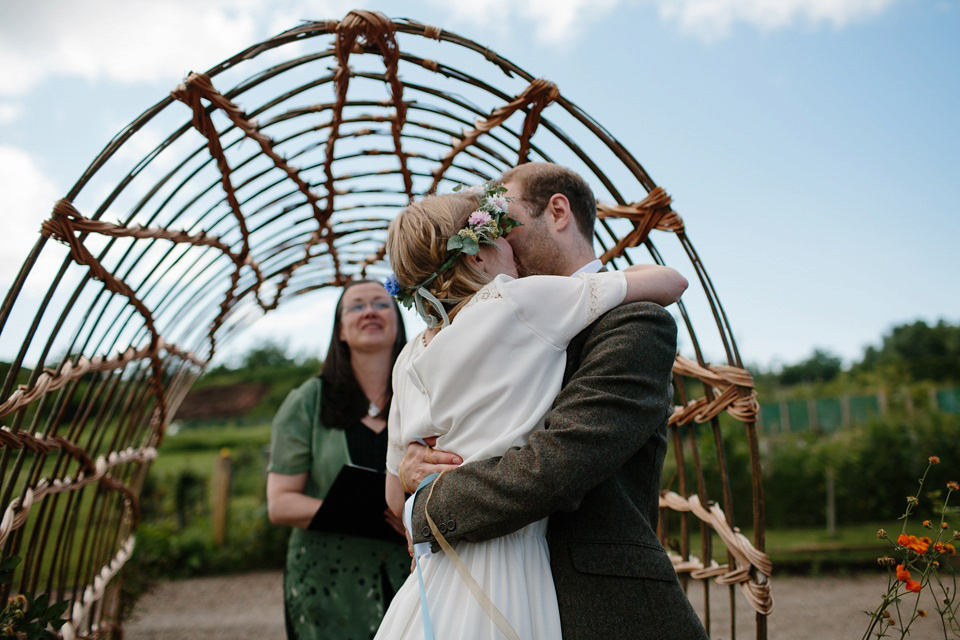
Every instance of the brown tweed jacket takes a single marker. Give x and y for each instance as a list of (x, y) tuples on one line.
[(595, 470)]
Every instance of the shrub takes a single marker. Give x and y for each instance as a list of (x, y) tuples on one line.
[(875, 468)]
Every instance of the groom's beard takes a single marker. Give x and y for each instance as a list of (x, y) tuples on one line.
[(541, 255)]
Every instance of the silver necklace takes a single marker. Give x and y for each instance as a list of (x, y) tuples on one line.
[(374, 410)]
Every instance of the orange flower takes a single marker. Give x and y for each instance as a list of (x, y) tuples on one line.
[(953, 485), (934, 459), (943, 525), (920, 545), (903, 574), (949, 549), (922, 613), (926, 523)]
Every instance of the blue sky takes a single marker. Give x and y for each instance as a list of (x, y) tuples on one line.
[(811, 146)]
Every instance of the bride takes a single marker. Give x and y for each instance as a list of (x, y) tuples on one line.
[(481, 378)]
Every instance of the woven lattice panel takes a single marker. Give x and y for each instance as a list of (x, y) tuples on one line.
[(270, 176)]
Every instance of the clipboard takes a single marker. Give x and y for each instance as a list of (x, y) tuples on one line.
[(354, 506)]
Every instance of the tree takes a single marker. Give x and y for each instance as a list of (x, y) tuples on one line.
[(267, 355), (822, 366), (916, 352)]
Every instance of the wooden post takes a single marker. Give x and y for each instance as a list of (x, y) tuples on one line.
[(831, 502), (846, 414), (882, 402), (221, 497)]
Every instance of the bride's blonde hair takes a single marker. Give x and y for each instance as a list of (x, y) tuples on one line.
[(417, 247)]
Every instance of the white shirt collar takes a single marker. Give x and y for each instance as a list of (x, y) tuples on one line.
[(591, 267)]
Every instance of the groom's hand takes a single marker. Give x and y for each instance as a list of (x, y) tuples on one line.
[(420, 461)]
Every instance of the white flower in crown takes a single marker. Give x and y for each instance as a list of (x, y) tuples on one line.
[(498, 203)]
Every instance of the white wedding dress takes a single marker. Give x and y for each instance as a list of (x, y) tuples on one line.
[(482, 385)]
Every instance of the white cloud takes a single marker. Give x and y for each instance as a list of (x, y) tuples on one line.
[(26, 200), (10, 112), (144, 42), (558, 21), (712, 19), (134, 42), (554, 21)]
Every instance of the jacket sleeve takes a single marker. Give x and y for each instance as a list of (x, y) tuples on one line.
[(617, 398)]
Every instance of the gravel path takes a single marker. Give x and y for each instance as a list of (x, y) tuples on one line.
[(250, 606)]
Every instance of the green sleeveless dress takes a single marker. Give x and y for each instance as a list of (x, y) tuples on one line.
[(336, 587)]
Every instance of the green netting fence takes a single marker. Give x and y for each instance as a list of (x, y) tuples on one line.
[(830, 414)]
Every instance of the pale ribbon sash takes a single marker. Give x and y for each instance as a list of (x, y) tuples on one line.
[(485, 603), (420, 549), (422, 294)]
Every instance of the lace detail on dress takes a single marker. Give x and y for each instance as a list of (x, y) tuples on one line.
[(488, 292), (595, 301)]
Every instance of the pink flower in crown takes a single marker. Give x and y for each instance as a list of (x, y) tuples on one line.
[(479, 219), (499, 203)]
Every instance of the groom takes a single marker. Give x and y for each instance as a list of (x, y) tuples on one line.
[(595, 469)]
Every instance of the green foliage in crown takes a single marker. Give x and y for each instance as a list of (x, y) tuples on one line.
[(491, 220)]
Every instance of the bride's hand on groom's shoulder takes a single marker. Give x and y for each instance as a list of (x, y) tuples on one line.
[(420, 461)]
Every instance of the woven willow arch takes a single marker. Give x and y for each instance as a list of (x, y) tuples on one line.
[(202, 215)]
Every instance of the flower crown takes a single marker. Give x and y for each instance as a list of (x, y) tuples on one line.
[(489, 221)]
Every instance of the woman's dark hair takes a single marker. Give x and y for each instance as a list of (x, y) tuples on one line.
[(342, 401)]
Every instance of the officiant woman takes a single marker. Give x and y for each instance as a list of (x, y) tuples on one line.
[(336, 585)]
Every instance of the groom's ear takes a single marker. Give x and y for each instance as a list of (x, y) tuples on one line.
[(475, 261), (558, 212)]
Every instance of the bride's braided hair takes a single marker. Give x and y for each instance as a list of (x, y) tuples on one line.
[(417, 246)]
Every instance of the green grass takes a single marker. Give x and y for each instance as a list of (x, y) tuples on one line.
[(853, 548), (815, 539), (212, 439)]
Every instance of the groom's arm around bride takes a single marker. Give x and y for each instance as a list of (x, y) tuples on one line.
[(595, 470)]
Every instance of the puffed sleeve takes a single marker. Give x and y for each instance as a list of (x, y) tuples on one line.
[(290, 438), (559, 307)]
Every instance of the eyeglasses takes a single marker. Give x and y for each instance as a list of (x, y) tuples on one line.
[(375, 305)]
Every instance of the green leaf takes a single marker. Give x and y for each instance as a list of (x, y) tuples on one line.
[(457, 188), (470, 246), (8, 564), (455, 242), (40, 603), (55, 612)]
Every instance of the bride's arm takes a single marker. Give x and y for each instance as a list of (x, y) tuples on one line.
[(394, 494), (654, 283)]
